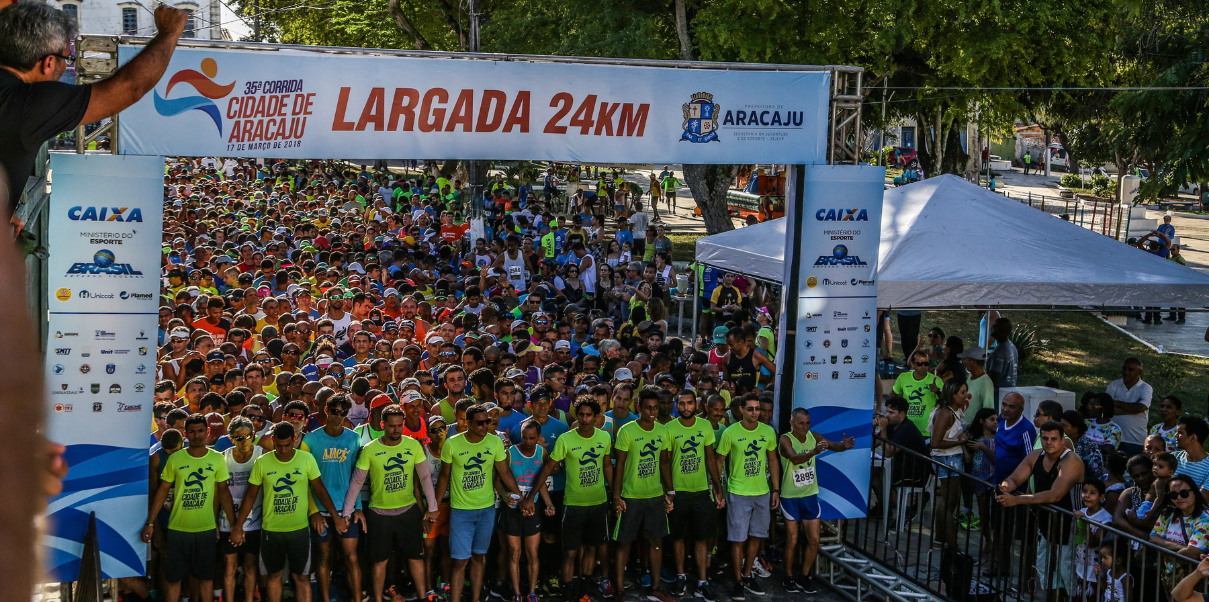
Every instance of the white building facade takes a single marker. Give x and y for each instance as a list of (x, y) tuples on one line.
[(131, 17)]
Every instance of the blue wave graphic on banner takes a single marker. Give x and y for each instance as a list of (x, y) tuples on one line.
[(176, 106), (843, 476), (109, 481)]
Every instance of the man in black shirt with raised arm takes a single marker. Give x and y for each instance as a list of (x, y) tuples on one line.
[(35, 50)]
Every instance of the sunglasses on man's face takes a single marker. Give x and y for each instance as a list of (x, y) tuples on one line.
[(241, 439), (255, 417), (293, 416), (484, 422), (337, 412)]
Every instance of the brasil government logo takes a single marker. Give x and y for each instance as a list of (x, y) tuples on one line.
[(204, 84), (700, 119), (103, 262)]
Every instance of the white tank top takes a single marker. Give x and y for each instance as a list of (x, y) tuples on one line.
[(1114, 590), (515, 270), (662, 276), (588, 276), (953, 433), (238, 485)]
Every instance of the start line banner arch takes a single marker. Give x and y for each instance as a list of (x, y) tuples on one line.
[(293, 102), (315, 105)]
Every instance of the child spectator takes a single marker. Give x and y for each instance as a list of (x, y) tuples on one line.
[(1087, 537), (1115, 583), (980, 456), (1165, 465)]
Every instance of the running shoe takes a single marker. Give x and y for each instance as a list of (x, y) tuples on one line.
[(761, 568), (807, 585), (678, 587), (658, 595), (789, 584), (606, 589), (644, 580), (750, 584), (705, 591)]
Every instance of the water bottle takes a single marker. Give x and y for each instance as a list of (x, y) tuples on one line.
[(1160, 349)]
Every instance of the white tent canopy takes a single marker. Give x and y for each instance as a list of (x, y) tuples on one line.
[(947, 243)]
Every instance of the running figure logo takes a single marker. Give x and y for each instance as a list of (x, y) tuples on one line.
[(395, 462), (286, 483), (473, 476), (690, 457), (197, 477), (589, 457), (205, 85)]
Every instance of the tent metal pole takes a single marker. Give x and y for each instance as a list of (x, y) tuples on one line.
[(696, 299)]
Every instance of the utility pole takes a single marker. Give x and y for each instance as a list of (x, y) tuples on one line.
[(474, 178), (256, 21)]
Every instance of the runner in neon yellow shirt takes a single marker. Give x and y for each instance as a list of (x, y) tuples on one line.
[(285, 532), (750, 446), (585, 455), (199, 475), (693, 469), (643, 495), (394, 523), (799, 494), (467, 463)]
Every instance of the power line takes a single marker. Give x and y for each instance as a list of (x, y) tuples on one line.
[(1051, 89)]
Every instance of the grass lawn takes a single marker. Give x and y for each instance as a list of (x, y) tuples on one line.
[(1085, 354), (684, 246)]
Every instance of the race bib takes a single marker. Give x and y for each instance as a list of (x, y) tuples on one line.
[(515, 271), (803, 476), (524, 489), (550, 483)]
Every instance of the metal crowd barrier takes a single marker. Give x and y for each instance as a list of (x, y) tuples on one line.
[(1109, 219), (1015, 556)]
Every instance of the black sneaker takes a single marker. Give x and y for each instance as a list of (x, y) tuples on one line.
[(750, 584), (790, 585), (678, 587), (705, 591), (807, 585), (737, 592)]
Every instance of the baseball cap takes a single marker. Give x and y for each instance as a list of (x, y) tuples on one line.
[(379, 401), (664, 377), (409, 397), (514, 372), (491, 405), (562, 344), (974, 353), (180, 333), (215, 356), (623, 374), (409, 382), (518, 323), (433, 420), (720, 335)]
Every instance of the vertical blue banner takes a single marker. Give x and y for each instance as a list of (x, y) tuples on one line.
[(835, 358), (106, 216)]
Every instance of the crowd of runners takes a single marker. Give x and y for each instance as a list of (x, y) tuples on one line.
[(353, 391)]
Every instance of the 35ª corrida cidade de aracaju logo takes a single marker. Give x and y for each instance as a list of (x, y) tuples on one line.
[(204, 84)]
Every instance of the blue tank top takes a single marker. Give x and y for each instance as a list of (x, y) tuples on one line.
[(525, 470)]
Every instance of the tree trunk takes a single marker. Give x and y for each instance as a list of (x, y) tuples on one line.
[(686, 45), (974, 153), (709, 184), (417, 39), (939, 137)]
